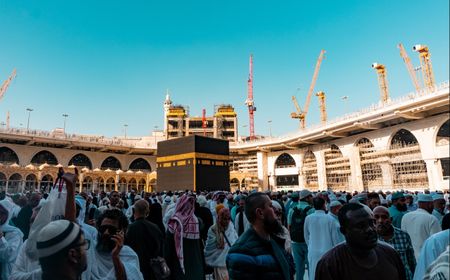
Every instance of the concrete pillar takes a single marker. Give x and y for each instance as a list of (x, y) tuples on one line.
[(261, 159), (433, 174), (81, 178), (356, 181), (321, 170), (116, 183)]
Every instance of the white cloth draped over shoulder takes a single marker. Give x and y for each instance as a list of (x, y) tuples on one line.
[(102, 266), (214, 256), (432, 248)]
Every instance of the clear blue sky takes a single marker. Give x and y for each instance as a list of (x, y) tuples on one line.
[(107, 63)]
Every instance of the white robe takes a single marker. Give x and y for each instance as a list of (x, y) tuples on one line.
[(419, 225), (103, 267), (247, 224), (432, 248), (321, 234), (214, 256)]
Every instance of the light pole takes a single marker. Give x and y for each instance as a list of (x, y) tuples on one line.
[(345, 98), (28, 122), (125, 126), (65, 118), (270, 127)]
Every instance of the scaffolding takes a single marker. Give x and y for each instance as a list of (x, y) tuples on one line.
[(309, 171), (337, 169), (409, 170), (372, 174)]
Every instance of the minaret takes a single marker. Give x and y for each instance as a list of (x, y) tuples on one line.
[(167, 105)]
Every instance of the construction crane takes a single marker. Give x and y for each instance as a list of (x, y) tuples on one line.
[(302, 114), (382, 81), (6, 84), (323, 110), (425, 64), (409, 67), (249, 102)]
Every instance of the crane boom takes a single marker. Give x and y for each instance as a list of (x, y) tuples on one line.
[(6, 84), (409, 66), (313, 82), (249, 102), (297, 107), (323, 110), (382, 81), (425, 63)]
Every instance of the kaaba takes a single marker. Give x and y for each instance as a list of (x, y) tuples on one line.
[(194, 163)]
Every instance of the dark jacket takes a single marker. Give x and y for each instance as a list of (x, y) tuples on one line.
[(146, 240), (252, 257)]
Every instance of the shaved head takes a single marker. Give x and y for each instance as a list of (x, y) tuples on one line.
[(141, 208), (380, 210)]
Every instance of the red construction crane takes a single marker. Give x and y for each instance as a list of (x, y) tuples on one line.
[(249, 102), (204, 121)]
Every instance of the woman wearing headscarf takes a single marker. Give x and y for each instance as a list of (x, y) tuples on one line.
[(183, 250), (221, 236)]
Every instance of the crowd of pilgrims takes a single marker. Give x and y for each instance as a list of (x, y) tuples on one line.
[(223, 235)]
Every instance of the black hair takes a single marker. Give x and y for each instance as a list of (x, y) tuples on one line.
[(446, 222), (114, 214), (318, 203), (342, 215), (373, 195), (252, 202)]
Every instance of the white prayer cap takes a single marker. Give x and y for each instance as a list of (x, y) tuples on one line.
[(335, 203), (56, 236), (137, 197), (276, 205), (425, 198)]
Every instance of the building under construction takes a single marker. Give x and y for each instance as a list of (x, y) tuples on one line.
[(178, 122)]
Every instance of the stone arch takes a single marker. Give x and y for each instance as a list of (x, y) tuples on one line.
[(243, 184), (140, 164), (443, 134), (309, 171), (122, 184), (141, 184), (14, 183), (408, 168), (234, 183), (47, 182), (132, 184), (81, 160), (44, 157), (372, 174), (88, 184), (153, 184), (337, 169), (8, 156), (285, 160), (111, 163), (101, 184), (110, 184), (31, 182)]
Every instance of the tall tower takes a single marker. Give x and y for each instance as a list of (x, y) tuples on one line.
[(167, 104)]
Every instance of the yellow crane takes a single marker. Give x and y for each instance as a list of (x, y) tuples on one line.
[(6, 84), (382, 81), (409, 66), (302, 114), (425, 64), (323, 109)]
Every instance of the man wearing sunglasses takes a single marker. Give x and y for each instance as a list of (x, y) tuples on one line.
[(114, 260)]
